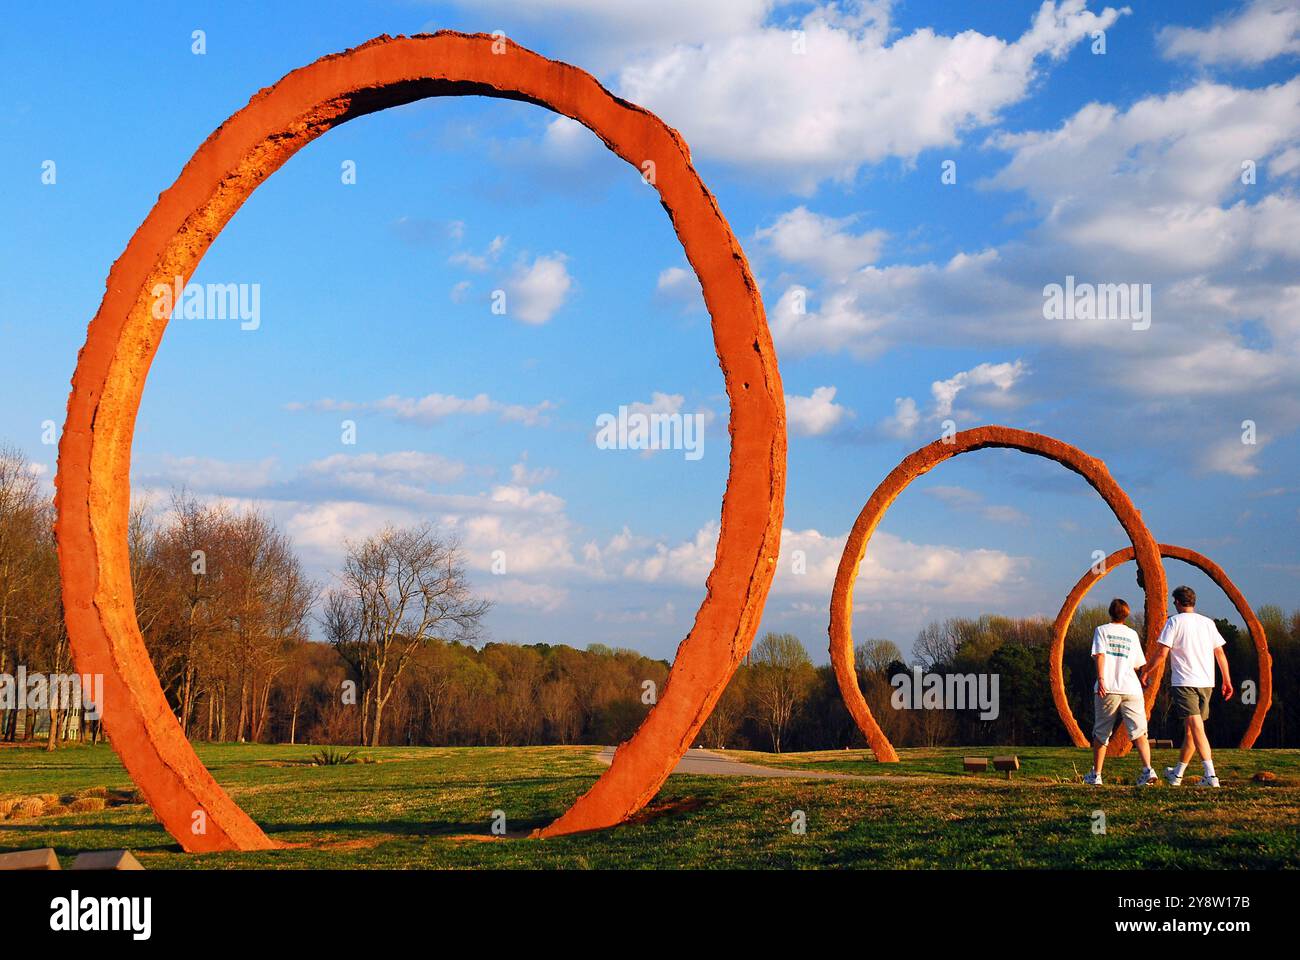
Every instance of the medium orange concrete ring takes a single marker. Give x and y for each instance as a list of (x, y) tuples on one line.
[(95, 450), (921, 462), (1211, 570)]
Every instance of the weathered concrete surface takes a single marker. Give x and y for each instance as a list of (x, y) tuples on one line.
[(1211, 570), (922, 462), (95, 450), (42, 859)]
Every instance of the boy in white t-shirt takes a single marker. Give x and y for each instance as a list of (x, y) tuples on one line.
[(1117, 653), (1196, 645)]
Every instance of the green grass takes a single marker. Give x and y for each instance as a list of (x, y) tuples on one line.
[(431, 808)]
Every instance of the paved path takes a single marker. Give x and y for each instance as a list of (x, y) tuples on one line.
[(715, 764)]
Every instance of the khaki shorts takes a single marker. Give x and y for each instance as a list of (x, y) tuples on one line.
[(1192, 701), (1109, 708)]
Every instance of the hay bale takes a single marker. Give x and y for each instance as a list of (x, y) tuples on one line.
[(54, 810), (91, 792), (27, 808), (7, 804), (87, 805)]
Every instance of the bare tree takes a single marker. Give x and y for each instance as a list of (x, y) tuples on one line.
[(398, 590), (727, 714), (781, 676), (875, 656)]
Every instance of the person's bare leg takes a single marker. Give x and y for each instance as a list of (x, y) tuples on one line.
[(1144, 751), (1098, 756), (1196, 729), (1189, 742)]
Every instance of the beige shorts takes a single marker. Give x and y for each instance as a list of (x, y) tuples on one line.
[(1109, 708)]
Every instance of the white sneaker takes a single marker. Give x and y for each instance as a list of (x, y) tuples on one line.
[(1147, 778), (1171, 774), (1092, 778), (1207, 782)]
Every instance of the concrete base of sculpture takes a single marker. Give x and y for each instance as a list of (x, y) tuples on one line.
[(1221, 579), (93, 497), (925, 460)]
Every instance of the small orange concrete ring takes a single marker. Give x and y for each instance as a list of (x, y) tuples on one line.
[(921, 462), (93, 494), (1221, 579)]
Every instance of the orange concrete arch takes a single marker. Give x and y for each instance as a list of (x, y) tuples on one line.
[(1221, 579), (93, 494), (921, 462)]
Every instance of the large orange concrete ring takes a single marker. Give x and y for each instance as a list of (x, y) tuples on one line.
[(1221, 579), (922, 462), (93, 494)]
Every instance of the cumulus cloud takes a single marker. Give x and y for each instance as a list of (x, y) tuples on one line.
[(987, 384), (679, 285), (904, 420), (1256, 33), (606, 33), (822, 105), (537, 290), (1232, 457), (997, 379), (905, 570), (821, 243), (814, 415)]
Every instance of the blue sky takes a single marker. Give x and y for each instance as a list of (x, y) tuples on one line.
[(924, 299)]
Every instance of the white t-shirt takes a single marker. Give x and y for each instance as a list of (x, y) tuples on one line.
[(1123, 653), (1192, 640)]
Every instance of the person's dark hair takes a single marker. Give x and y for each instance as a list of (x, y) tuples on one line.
[(1118, 610), (1185, 597)]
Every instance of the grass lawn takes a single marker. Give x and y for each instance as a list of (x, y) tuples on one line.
[(428, 807)]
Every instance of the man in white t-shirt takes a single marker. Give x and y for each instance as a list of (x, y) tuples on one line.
[(1117, 652), (1196, 646)]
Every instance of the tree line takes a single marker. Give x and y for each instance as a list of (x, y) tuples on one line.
[(227, 615)]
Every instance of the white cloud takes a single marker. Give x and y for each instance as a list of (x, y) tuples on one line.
[(821, 243), (904, 571), (1258, 32), (435, 407), (814, 415), (997, 378), (480, 262), (522, 474), (377, 470), (849, 99), (896, 571), (988, 384), (606, 33), (207, 473), (536, 291), (905, 419), (680, 285), (1232, 457)]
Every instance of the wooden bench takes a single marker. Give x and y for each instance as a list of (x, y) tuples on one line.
[(1162, 744), (975, 764)]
